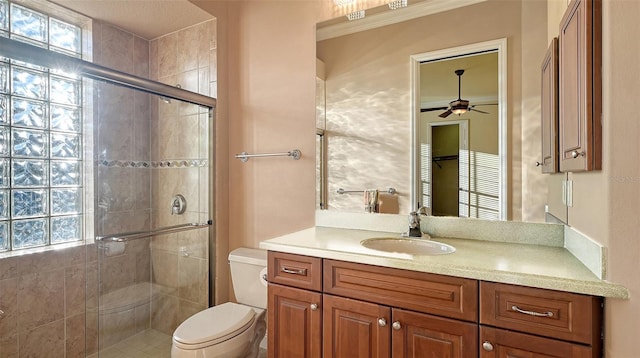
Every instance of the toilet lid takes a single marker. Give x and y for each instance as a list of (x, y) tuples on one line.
[(214, 324)]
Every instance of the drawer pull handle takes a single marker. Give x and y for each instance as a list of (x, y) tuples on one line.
[(302, 272), (314, 307), (531, 313), (487, 346), (396, 325), (382, 322)]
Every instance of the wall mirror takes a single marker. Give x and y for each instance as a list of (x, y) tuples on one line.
[(372, 128)]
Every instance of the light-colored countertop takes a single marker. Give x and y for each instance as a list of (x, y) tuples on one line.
[(520, 264)]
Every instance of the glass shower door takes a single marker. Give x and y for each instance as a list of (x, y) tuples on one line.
[(152, 213)]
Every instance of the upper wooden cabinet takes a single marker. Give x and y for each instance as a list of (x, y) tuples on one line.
[(580, 87), (549, 109)]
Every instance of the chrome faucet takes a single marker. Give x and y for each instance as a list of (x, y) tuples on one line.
[(414, 223)]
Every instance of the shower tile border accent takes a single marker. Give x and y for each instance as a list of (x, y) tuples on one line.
[(177, 163)]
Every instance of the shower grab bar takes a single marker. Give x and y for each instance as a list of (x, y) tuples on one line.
[(342, 191), (296, 154), (135, 235)]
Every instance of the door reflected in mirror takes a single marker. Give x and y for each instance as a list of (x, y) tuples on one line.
[(458, 133)]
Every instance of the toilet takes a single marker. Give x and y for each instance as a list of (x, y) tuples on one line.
[(229, 330)]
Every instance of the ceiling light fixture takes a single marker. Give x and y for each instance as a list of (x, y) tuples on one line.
[(356, 15), (459, 109), (394, 5), (343, 2)]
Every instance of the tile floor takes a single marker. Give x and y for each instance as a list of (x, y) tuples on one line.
[(147, 344)]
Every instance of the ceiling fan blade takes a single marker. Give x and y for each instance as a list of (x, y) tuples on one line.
[(433, 109), (445, 114), (477, 110)]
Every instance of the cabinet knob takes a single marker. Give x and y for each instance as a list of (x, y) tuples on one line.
[(382, 322), (314, 307), (487, 346), (576, 154), (396, 325), (538, 164)]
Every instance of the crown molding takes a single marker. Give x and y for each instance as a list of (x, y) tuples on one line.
[(390, 17)]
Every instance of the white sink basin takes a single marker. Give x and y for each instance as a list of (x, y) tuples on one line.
[(408, 246)]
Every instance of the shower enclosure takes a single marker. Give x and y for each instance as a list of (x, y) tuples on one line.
[(145, 204)]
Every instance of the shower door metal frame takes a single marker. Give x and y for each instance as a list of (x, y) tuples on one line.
[(42, 57)]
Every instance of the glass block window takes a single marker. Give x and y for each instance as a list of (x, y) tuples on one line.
[(40, 136)]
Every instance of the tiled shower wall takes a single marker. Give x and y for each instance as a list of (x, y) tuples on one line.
[(43, 299), (186, 58), (121, 120)]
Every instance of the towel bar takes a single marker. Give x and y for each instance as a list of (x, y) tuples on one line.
[(244, 156), (342, 191)]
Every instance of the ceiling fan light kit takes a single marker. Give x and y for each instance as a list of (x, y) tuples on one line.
[(458, 106)]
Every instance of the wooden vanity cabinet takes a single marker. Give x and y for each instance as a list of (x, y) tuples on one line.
[(372, 311), (353, 328), (570, 322), (294, 305), (355, 310), (423, 335), (501, 343), (580, 87), (295, 317), (367, 311)]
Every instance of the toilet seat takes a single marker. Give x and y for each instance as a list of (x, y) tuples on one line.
[(213, 325)]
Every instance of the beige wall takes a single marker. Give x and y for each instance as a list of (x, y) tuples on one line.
[(268, 105), (274, 41), (618, 200)]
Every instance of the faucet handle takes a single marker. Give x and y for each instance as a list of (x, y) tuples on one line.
[(423, 210), (414, 219)]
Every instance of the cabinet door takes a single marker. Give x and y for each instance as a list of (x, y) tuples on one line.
[(498, 343), (295, 322), (580, 87), (549, 109), (354, 328), (420, 335)]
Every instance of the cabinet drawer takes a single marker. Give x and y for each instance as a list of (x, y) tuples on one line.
[(556, 314), (295, 270), (500, 343), (428, 293)]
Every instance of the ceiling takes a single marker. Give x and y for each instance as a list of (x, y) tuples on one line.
[(149, 19), (439, 83)]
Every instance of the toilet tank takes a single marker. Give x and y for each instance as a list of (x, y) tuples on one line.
[(247, 267)]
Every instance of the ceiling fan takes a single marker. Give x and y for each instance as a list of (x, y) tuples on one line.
[(458, 106)]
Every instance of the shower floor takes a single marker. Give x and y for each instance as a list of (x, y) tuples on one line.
[(147, 344)]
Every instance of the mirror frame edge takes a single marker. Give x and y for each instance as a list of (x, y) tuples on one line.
[(415, 60)]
